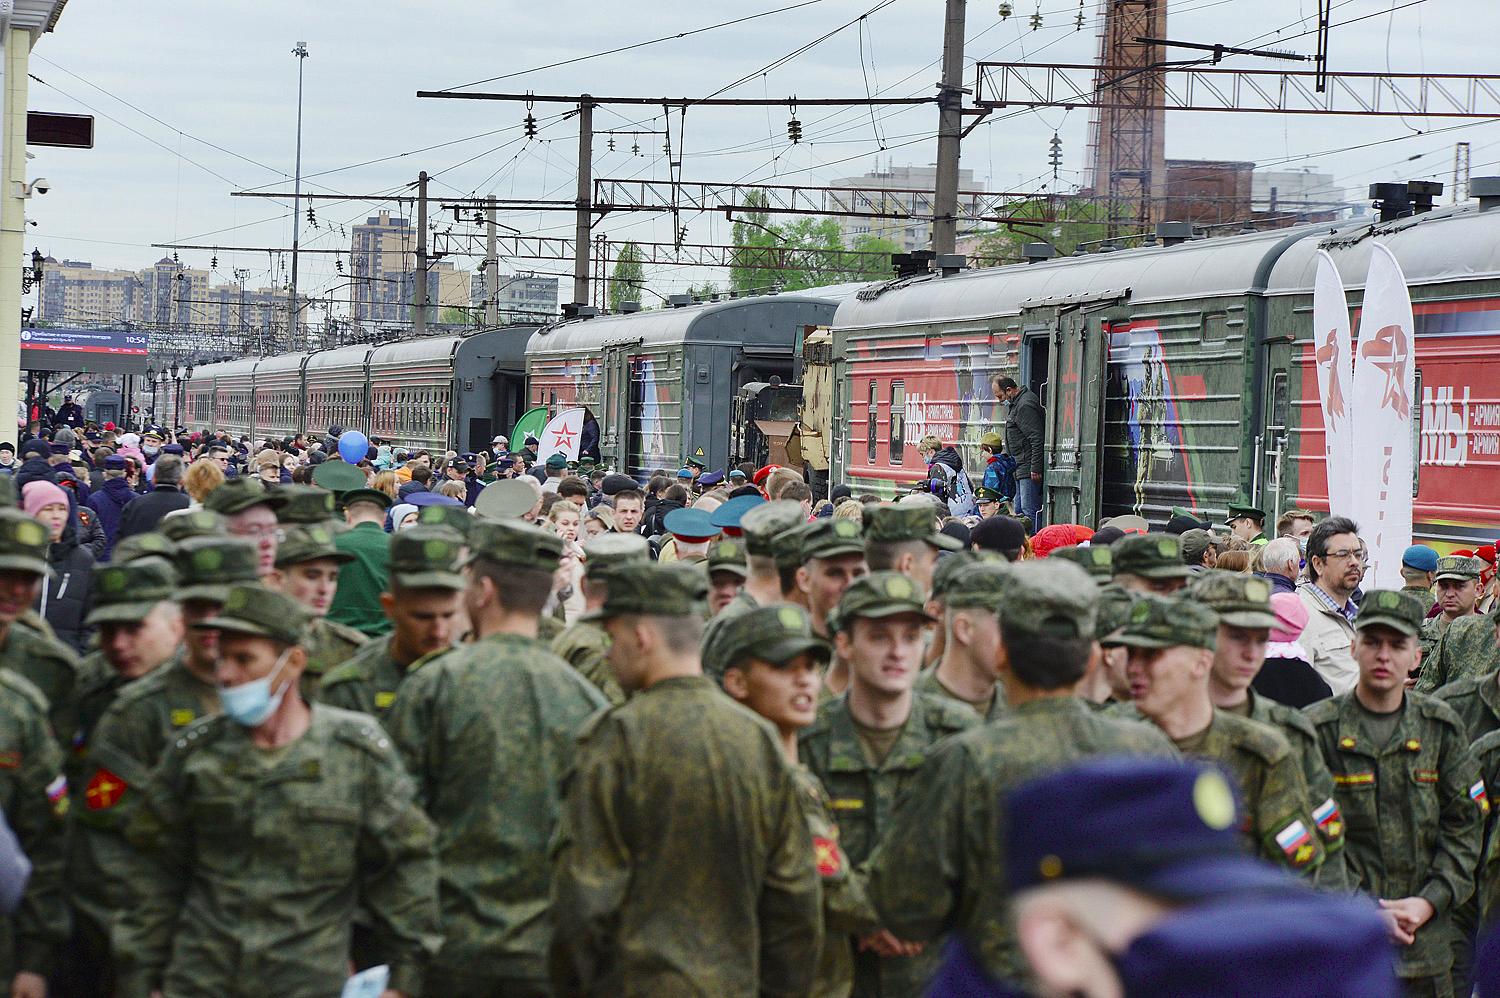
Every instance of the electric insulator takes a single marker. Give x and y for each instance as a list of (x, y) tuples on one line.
[(1005, 11), (311, 218), (794, 130), (635, 150), (1036, 20), (611, 143), (213, 264), (530, 124)]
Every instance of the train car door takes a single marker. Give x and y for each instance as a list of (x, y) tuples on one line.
[(1074, 381), (614, 417)]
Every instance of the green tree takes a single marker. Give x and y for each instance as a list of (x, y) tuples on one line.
[(1072, 222), (804, 252), (456, 317), (628, 279)]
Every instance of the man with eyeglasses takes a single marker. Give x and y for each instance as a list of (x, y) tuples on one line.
[(249, 510), (1335, 565)]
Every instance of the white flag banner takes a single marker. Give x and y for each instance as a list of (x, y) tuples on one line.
[(1332, 345), (561, 435), (1381, 412)]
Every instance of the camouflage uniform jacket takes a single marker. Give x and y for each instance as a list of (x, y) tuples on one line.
[(1432, 632), (248, 868), (928, 682), (142, 719), (684, 866), (1476, 701), (52, 668), (1423, 594), (1412, 826), (33, 795), (368, 680), (1467, 648), (488, 730), (941, 864), (846, 904), (585, 647), (1303, 738), (1486, 752), (864, 797), (742, 603), (328, 643)]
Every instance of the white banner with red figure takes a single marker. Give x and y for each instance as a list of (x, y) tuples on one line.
[(561, 436), (1381, 412), (1332, 344)]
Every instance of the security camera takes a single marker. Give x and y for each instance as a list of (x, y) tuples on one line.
[(41, 185)]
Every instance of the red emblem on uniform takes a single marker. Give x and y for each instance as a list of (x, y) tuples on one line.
[(827, 853), (104, 790)]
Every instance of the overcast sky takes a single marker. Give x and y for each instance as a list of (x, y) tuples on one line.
[(170, 82)]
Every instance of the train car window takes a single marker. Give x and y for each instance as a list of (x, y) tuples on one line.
[(898, 422), (1416, 436), (871, 420), (1278, 400)]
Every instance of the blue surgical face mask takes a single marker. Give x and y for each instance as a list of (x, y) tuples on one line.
[(251, 703)]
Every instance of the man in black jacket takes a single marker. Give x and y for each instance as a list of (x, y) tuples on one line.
[(143, 513), (1023, 440)]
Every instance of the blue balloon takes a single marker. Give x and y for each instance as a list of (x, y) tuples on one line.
[(354, 446)]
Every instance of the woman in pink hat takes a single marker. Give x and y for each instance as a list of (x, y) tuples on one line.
[(1288, 676)]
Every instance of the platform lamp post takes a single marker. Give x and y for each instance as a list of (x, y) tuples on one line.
[(151, 375)]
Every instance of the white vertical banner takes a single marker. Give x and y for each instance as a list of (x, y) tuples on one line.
[(1331, 346), (562, 435), (1381, 411)]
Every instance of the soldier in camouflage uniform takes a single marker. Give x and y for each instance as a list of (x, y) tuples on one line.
[(775, 667), (971, 624), (191, 523), (683, 863), (1243, 605), (1476, 701), (1150, 563), (308, 505), (869, 744), (307, 569), (941, 864), (425, 605), (1409, 790), (1486, 753), (906, 539), (760, 527), (1457, 593), (726, 572), (456, 518), (263, 830), (1171, 641), (487, 730), (584, 645), (1418, 564), (1469, 647), (144, 546), (948, 565), (49, 664), (1108, 685), (1099, 562)]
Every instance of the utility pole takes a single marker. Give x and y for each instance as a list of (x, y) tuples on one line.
[(301, 53), (419, 300), (491, 269), (1460, 173), (950, 131), (581, 239)]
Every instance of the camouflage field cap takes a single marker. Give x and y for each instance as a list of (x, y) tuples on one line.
[(608, 551), (1240, 600), (832, 537), (238, 494), (878, 594), (1048, 597), (506, 499), (515, 542), (946, 570), (1457, 566), (787, 548), (890, 524), (308, 542), (761, 525), (1115, 602), (726, 555), (426, 556), (1167, 621), (339, 476), (673, 589), (251, 608), (774, 634), (1151, 556), (980, 584), (130, 591), (23, 542), (207, 567), (142, 546), (304, 504), (191, 523), (455, 518), (1400, 611), (1097, 561)]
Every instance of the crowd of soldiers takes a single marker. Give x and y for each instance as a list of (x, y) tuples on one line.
[(802, 755)]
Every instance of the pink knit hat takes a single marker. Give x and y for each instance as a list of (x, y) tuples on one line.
[(35, 496), (1291, 617)]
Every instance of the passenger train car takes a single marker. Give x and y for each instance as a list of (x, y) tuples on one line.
[(435, 392), (1178, 375)]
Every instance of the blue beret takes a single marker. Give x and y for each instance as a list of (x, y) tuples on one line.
[(1421, 557), (729, 513), (1169, 828), (736, 473), (690, 524), (685, 473)]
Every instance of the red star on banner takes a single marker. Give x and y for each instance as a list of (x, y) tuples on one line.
[(563, 438)]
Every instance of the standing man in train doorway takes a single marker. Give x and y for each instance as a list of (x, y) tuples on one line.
[(1023, 439)]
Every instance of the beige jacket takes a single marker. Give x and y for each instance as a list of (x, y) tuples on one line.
[(1327, 638)]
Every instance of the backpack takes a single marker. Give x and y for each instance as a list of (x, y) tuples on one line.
[(960, 491)]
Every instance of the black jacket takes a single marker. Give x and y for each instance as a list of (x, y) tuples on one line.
[(1023, 434), (67, 594), (110, 502), (34, 469), (143, 513), (652, 524)]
